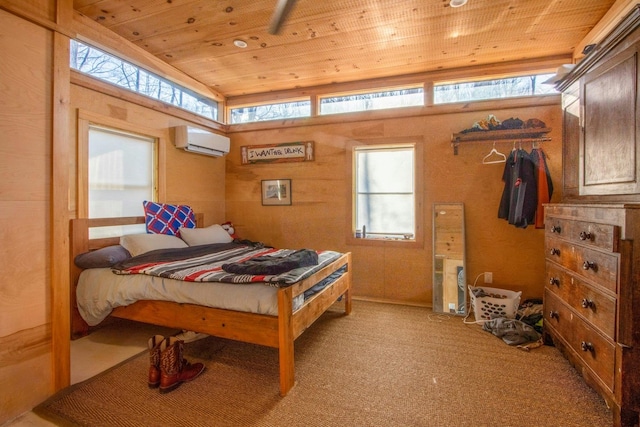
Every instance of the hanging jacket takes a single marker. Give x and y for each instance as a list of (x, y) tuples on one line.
[(519, 200), (545, 185)]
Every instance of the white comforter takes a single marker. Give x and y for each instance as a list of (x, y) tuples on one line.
[(99, 291)]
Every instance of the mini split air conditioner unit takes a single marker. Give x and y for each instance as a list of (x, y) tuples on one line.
[(200, 141)]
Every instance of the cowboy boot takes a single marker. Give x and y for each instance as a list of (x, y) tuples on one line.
[(154, 360), (174, 369)]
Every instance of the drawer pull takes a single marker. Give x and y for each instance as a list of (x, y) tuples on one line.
[(556, 229), (585, 235), (554, 281), (588, 265), (554, 251), (586, 346), (554, 315), (587, 303)]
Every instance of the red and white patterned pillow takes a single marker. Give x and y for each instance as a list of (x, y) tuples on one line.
[(163, 218)]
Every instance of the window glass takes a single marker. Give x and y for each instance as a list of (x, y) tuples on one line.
[(260, 113), (493, 89), (103, 66), (120, 176), (372, 101), (385, 196)]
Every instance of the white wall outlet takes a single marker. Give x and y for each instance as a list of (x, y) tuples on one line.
[(488, 277)]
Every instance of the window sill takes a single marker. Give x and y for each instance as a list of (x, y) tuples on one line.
[(386, 242)]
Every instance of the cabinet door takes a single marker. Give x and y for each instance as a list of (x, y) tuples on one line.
[(570, 148), (609, 147)]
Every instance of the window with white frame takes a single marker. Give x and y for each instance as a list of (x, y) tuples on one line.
[(121, 175), (385, 196)]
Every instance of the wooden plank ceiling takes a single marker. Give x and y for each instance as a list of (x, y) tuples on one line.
[(327, 41)]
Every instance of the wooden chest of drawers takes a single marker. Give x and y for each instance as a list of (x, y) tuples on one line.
[(592, 298)]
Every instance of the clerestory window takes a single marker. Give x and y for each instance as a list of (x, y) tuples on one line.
[(111, 69)]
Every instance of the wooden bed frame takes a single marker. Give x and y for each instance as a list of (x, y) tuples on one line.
[(273, 331)]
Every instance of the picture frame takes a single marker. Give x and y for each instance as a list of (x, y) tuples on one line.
[(276, 192)]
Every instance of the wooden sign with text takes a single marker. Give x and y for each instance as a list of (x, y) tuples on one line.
[(301, 151)]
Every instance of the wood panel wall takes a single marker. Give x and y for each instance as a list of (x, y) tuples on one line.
[(25, 217), (319, 193)]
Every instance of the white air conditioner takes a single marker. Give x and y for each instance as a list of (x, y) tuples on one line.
[(196, 140)]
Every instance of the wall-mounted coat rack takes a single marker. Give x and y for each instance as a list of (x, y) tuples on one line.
[(521, 135)]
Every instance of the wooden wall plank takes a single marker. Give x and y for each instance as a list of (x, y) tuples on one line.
[(61, 147), (40, 11), (25, 268), (25, 214), (24, 356)]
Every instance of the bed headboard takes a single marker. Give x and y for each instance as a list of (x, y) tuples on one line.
[(80, 243)]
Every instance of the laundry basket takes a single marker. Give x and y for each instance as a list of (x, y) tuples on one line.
[(497, 303)]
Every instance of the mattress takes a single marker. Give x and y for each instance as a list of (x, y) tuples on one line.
[(99, 291)]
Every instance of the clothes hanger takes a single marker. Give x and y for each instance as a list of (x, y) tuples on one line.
[(501, 157)]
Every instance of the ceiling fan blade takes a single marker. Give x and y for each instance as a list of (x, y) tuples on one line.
[(283, 7)]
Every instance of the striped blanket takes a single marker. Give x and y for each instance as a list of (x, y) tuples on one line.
[(204, 264)]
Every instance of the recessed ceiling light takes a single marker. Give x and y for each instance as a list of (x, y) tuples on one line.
[(457, 3), (240, 43)]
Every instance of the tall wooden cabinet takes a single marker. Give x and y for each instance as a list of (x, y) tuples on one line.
[(592, 238), (601, 134)]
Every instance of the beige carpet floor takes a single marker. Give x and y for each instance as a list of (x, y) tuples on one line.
[(384, 365)]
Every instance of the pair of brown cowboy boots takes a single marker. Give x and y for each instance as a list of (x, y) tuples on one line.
[(168, 368)]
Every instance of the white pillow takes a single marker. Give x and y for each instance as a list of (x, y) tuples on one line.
[(205, 236), (138, 244)]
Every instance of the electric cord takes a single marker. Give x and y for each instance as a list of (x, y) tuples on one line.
[(471, 307), (477, 277), (439, 317)]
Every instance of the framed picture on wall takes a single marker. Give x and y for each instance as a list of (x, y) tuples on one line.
[(276, 192)]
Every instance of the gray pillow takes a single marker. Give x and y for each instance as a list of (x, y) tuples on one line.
[(102, 258)]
